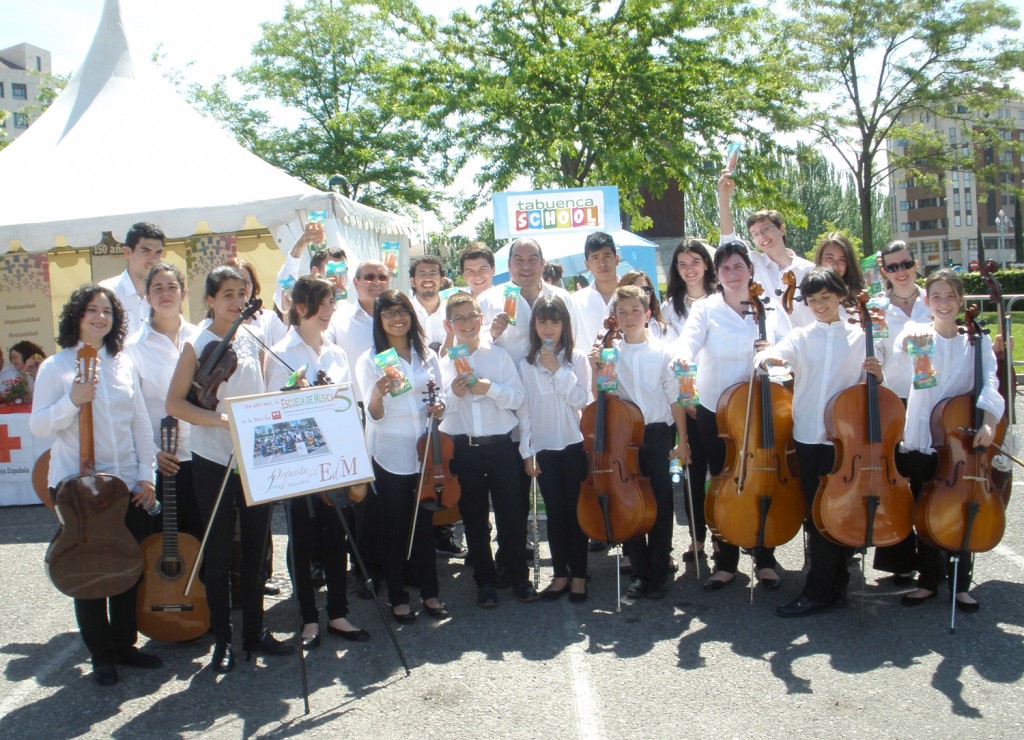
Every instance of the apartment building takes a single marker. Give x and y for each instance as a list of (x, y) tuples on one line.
[(21, 70)]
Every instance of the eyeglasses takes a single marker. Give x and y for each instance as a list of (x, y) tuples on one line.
[(897, 266), (468, 317), (370, 278), (398, 313)]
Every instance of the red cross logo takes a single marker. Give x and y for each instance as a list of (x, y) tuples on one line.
[(7, 444)]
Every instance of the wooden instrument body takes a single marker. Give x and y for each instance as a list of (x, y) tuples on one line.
[(732, 506), (1003, 480), (438, 488), (93, 555), (963, 480), (863, 469)]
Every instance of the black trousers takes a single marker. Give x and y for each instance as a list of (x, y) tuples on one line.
[(220, 547), (698, 478), (316, 530), (108, 626), (727, 559), (559, 482), (390, 518), (649, 555), (190, 520), (492, 474), (828, 577)]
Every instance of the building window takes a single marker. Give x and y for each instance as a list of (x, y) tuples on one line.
[(956, 178), (967, 179), (1, 89), (39, 64), (970, 219), (906, 226), (904, 205), (19, 91), (20, 120), (956, 220)]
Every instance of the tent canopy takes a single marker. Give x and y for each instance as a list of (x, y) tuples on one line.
[(634, 252), (119, 145)]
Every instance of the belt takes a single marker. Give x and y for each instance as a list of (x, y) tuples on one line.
[(489, 439)]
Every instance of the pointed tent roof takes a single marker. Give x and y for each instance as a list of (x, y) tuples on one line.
[(119, 145)]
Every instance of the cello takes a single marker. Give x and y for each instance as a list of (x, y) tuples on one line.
[(756, 501), (864, 501), (1003, 478), (162, 609), (961, 510), (93, 555), (616, 502)]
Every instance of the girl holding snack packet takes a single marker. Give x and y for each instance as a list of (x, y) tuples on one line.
[(953, 363), (395, 419), (722, 337), (556, 379)]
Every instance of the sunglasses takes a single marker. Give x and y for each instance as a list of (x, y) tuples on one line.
[(370, 277), (897, 266)]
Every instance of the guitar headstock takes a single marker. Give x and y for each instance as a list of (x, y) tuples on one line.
[(169, 435), (88, 364)]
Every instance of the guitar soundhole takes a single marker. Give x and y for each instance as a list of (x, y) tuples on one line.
[(170, 568)]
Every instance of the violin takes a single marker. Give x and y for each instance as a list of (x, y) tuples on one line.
[(756, 500), (616, 502), (788, 295), (961, 510), (1004, 369), (864, 501), (438, 488), (218, 362), (93, 555), (162, 609)]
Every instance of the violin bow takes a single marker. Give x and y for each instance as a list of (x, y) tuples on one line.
[(693, 525), (534, 486), (416, 501)]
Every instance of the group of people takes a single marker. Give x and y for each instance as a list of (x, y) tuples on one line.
[(534, 362)]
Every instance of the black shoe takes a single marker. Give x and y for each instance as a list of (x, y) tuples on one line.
[(597, 546), (105, 674), (526, 593), (903, 579), (135, 657), (223, 658), (967, 608), (270, 588), (770, 584), (575, 598), (311, 643), (408, 618), (487, 596), (317, 576), (350, 635), (637, 589), (554, 594), (266, 643), (714, 584), (449, 548), (909, 600), (437, 612), (657, 589), (802, 607)]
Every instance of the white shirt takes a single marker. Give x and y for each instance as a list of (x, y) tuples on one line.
[(391, 440), (493, 412), (953, 363), (274, 329), (516, 339), (214, 443), (294, 350), (9, 373), (154, 357), (899, 375), (122, 436), (351, 329), (136, 306), (432, 323), (722, 343), (647, 379), (550, 417), (592, 309), (768, 273), (826, 359)]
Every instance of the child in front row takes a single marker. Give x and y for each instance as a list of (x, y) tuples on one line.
[(481, 415), (646, 377), (827, 357)]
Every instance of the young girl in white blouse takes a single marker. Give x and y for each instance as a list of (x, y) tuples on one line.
[(556, 379)]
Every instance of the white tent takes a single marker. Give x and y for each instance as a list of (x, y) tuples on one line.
[(119, 145)]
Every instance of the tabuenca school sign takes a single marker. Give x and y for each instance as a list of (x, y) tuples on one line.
[(537, 212)]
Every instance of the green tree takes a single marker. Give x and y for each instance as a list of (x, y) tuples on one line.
[(635, 93), (342, 67), (879, 60)]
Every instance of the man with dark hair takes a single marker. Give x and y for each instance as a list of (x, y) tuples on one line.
[(425, 275), (143, 248), (593, 301), (476, 262)]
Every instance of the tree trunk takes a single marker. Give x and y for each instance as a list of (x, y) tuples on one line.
[(981, 240), (866, 209)]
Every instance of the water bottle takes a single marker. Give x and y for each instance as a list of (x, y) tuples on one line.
[(154, 508), (676, 471)]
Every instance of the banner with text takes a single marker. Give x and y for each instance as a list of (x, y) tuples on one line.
[(202, 254), (292, 443), (27, 314), (539, 212)]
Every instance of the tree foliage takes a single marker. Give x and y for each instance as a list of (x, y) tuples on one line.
[(634, 93), (878, 60)]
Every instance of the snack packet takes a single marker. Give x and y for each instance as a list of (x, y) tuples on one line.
[(732, 155), (449, 292), (871, 266), (881, 302), (389, 256), (319, 218), (511, 302), (921, 350), (389, 363), (686, 375), (607, 373), (459, 355)]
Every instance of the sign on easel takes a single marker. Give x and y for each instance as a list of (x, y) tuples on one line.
[(291, 443)]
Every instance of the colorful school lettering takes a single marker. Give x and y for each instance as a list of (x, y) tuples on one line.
[(564, 213)]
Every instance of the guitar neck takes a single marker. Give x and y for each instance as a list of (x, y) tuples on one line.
[(170, 512), (86, 448)]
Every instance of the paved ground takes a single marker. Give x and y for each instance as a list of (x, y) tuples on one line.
[(695, 664)]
